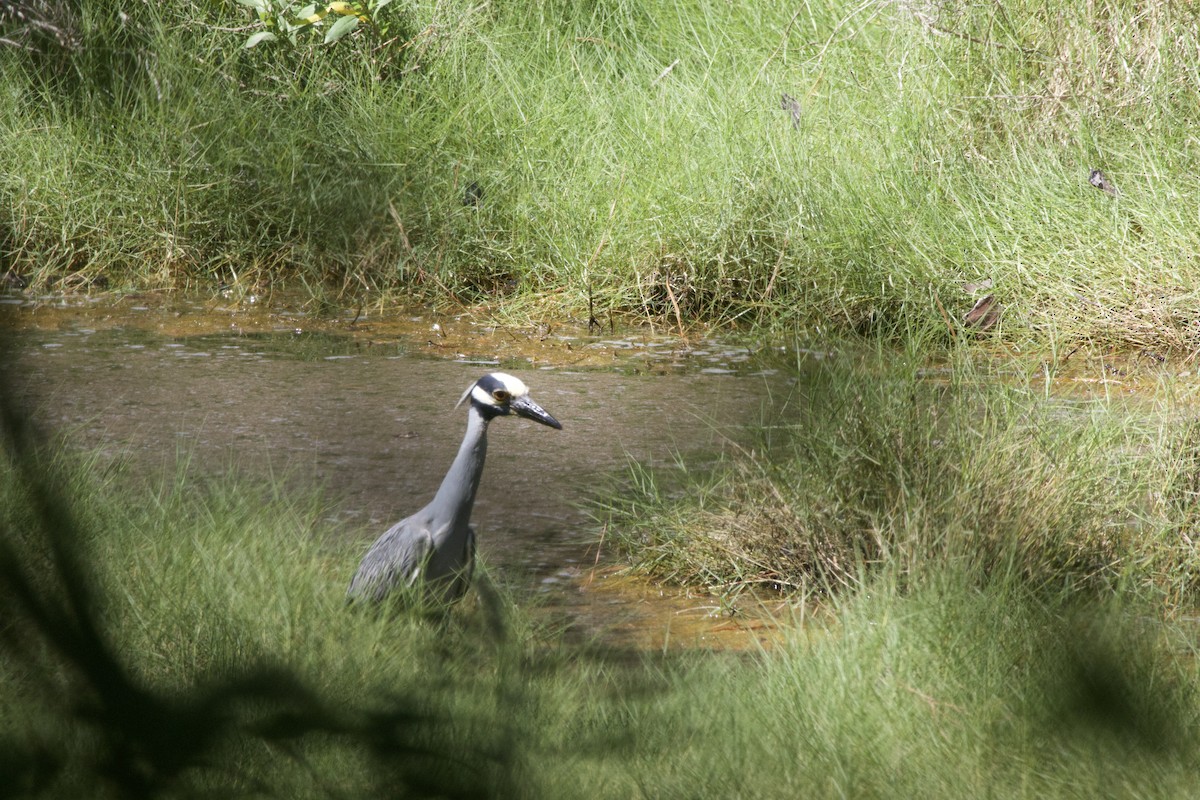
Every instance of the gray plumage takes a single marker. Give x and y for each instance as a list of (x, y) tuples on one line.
[(1100, 181), (435, 547)]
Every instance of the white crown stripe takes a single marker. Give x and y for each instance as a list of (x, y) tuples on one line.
[(514, 386)]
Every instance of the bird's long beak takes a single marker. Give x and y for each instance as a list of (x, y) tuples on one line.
[(524, 407)]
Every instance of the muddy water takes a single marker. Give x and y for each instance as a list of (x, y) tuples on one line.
[(371, 420)]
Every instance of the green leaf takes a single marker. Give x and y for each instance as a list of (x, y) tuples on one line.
[(258, 5), (340, 29), (261, 36), (380, 4)]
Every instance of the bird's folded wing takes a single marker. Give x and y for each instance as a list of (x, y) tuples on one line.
[(398, 557)]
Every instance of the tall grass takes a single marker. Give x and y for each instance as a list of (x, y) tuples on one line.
[(195, 638), (953, 689), (879, 463), (192, 637), (635, 152)]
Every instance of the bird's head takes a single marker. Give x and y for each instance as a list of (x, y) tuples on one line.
[(499, 394)]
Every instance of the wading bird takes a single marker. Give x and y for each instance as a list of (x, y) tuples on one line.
[(434, 549)]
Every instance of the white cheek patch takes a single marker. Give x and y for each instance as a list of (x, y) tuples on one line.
[(480, 396)]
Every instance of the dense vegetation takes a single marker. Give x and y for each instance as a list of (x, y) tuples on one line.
[(634, 153), (876, 463), (995, 585), (190, 638)]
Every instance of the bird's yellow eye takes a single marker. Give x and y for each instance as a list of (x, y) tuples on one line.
[(501, 396)]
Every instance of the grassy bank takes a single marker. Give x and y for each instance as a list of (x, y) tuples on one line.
[(878, 462), (634, 154), (191, 638)]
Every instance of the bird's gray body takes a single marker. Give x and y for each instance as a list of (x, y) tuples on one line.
[(412, 553), (435, 548)]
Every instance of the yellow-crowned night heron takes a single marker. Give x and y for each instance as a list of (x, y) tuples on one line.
[(435, 547)]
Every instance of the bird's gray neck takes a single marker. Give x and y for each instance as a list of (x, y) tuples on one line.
[(457, 493)]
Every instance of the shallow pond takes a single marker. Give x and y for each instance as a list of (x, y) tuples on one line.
[(368, 415), (362, 406)]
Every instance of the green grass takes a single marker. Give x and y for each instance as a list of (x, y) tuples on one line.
[(236, 669), (878, 462), (938, 145), (1020, 629), (194, 637), (950, 690)]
